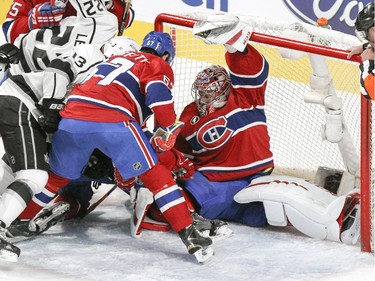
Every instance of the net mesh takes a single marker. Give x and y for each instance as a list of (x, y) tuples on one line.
[(294, 125)]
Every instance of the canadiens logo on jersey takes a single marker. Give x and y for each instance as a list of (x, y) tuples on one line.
[(214, 133)]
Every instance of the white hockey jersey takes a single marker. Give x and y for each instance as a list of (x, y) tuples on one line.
[(71, 68), (92, 25)]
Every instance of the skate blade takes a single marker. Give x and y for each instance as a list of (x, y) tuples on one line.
[(203, 255), (8, 256)]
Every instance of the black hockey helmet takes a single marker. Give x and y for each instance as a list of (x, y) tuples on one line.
[(365, 20)]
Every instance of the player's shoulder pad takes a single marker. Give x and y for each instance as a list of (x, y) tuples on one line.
[(160, 69)]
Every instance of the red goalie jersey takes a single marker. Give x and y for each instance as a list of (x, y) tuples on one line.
[(232, 142)]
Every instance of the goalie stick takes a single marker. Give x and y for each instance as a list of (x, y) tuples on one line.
[(124, 17)]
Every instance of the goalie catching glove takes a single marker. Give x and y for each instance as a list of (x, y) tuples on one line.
[(50, 118), (224, 29), (165, 137)]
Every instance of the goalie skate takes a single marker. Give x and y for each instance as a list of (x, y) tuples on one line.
[(214, 229), (48, 217), (196, 243), (350, 231), (8, 251)]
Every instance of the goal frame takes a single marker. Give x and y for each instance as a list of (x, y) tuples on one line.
[(365, 126)]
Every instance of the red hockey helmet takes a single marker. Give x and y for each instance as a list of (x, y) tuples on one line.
[(211, 89)]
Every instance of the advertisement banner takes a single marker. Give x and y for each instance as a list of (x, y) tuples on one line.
[(340, 13)]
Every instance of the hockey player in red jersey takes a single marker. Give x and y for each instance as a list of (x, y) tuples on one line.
[(40, 95), (225, 136), (26, 15), (225, 133), (106, 111)]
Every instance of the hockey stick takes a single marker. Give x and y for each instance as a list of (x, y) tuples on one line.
[(94, 205), (124, 17)]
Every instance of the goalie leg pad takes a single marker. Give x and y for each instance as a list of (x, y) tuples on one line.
[(309, 208), (275, 213), (151, 224), (311, 228), (142, 203)]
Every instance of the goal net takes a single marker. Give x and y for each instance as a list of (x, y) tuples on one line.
[(294, 125)]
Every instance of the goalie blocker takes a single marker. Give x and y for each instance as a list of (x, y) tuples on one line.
[(309, 208)]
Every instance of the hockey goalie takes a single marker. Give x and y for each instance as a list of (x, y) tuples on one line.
[(327, 208), (236, 187)]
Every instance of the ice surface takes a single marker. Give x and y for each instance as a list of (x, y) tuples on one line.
[(99, 247)]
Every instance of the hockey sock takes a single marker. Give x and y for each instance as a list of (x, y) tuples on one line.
[(155, 214), (168, 196), (173, 206), (14, 200)]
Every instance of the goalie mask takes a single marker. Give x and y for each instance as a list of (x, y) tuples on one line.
[(119, 45), (364, 21), (211, 89)]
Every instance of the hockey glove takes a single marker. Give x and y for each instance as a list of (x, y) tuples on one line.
[(125, 184), (45, 15), (224, 29), (165, 138), (182, 168), (50, 118), (9, 54)]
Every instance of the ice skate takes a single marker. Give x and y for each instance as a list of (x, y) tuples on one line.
[(48, 217), (20, 227), (196, 244), (350, 229), (8, 251), (214, 229)]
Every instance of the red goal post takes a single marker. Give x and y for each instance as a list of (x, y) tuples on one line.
[(294, 125)]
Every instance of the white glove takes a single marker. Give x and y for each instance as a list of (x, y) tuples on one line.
[(215, 21), (224, 29)]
